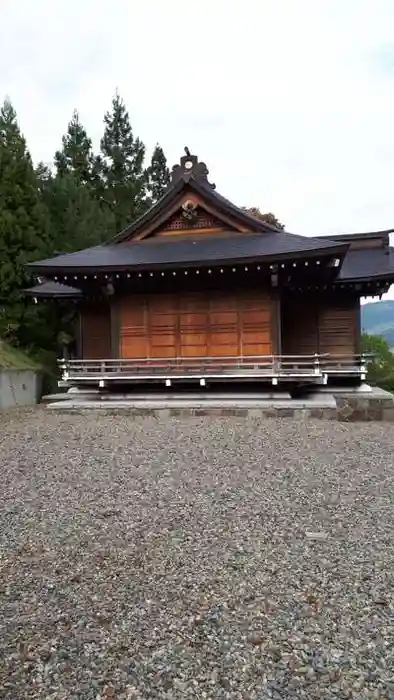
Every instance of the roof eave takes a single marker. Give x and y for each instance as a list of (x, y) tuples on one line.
[(60, 294), (384, 276), (333, 250), (358, 236)]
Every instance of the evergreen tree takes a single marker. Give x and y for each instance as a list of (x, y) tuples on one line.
[(43, 176), (75, 196), (24, 225), (76, 156), (158, 174), (78, 218), (123, 159)]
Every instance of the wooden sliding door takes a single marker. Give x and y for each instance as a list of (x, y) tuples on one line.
[(206, 324)]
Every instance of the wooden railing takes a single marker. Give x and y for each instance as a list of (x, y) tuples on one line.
[(273, 367)]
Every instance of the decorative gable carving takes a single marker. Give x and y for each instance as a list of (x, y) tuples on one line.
[(190, 204), (190, 217)]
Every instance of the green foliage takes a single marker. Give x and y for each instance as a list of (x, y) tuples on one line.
[(78, 218), (158, 175), (85, 200), (381, 367), (268, 218), (377, 318), (76, 156), (123, 166), (13, 358), (24, 223)]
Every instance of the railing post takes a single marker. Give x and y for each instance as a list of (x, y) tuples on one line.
[(316, 364), (363, 368), (63, 368)]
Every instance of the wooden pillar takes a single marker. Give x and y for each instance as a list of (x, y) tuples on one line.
[(78, 334), (276, 323), (114, 323), (358, 327)]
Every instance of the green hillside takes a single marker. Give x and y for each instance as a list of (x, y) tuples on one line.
[(378, 319), (12, 358)]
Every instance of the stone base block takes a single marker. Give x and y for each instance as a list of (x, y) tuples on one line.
[(372, 404)]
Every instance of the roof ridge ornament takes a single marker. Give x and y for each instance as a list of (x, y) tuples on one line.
[(190, 167)]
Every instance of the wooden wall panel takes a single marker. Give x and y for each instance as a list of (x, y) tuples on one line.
[(202, 324), (224, 329), (338, 328), (325, 325), (299, 327), (193, 322), (96, 331), (161, 319), (133, 336)]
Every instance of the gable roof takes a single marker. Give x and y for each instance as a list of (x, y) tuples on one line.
[(188, 181), (363, 256)]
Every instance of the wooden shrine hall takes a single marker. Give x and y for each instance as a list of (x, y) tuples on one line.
[(197, 290)]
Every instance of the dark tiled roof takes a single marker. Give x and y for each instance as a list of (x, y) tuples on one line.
[(53, 289), (368, 263), (196, 250)]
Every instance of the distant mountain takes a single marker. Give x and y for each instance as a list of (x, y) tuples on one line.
[(378, 319)]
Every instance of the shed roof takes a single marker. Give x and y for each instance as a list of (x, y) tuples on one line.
[(53, 289)]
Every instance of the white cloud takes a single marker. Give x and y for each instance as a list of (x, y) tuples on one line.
[(291, 104)]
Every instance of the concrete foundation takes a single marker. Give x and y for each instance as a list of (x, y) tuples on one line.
[(19, 388), (360, 404)]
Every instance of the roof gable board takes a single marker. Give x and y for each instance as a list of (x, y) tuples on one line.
[(188, 188)]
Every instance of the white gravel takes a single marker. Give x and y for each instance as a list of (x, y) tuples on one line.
[(197, 558)]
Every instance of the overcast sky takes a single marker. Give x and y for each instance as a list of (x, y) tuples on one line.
[(289, 102)]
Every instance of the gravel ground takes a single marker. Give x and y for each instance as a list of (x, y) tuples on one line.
[(198, 558)]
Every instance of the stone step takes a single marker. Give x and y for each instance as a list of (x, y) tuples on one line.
[(212, 402)]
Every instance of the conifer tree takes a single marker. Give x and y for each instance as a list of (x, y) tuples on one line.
[(24, 225), (76, 156), (158, 174), (74, 197), (123, 166), (78, 219)]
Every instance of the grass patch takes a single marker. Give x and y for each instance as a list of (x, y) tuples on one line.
[(13, 358)]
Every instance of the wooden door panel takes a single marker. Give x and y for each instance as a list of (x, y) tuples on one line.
[(224, 344), (163, 340), (195, 325), (223, 318), (162, 351), (132, 331), (134, 347), (255, 317), (256, 349), (196, 350), (223, 300), (193, 322), (224, 350), (96, 332), (192, 303)]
